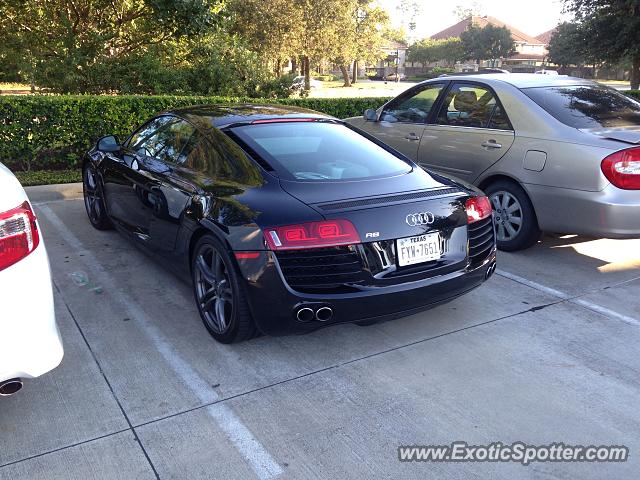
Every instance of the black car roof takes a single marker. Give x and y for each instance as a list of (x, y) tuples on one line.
[(221, 115)]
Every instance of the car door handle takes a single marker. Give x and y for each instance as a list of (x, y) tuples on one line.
[(412, 137), (490, 144)]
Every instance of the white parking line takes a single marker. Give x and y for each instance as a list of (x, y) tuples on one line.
[(53, 202), (607, 312), (247, 445), (535, 285)]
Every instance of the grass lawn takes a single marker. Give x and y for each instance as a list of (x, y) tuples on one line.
[(14, 88), (614, 82), (362, 88), (48, 177)]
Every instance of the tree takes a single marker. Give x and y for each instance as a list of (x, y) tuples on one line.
[(271, 28), (409, 11), (610, 30), (465, 11), (424, 51), (566, 46), (340, 31), (451, 50), (427, 51), (58, 42), (488, 43), (370, 25)]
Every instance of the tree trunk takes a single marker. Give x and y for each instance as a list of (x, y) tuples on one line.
[(635, 73), (307, 73), (345, 75), (354, 77), (278, 67), (294, 66)]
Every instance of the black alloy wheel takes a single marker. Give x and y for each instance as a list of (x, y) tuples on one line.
[(94, 199), (218, 292)]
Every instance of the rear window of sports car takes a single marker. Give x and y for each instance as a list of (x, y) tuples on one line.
[(319, 151), (587, 106)]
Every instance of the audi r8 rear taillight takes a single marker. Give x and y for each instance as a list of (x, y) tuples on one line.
[(478, 208), (18, 235), (622, 168), (328, 233)]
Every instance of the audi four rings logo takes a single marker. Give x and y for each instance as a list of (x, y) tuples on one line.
[(421, 218)]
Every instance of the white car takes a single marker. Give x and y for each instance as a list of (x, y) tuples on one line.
[(31, 344), (298, 83)]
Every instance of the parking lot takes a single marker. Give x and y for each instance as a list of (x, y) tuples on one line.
[(546, 351)]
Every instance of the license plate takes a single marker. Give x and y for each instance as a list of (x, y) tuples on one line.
[(418, 249)]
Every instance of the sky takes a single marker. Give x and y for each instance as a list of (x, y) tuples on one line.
[(529, 16)]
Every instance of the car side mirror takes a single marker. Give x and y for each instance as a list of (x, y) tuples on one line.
[(370, 115), (109, 143)]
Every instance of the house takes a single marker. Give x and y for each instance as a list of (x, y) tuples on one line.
[(530, 52), (396, 54), (546, 36)]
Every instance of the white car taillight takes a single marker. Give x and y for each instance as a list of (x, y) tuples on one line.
[(18, 234)]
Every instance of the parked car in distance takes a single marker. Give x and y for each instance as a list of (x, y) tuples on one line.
[(286, 220), (547, 72), (553, 153), (298, 83), (393, 77), (31, 344)]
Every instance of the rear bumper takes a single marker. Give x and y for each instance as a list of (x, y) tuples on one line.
[(31, 344), (611, 213), (273, 304)]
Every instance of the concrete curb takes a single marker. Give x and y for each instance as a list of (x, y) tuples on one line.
[(51, 193)]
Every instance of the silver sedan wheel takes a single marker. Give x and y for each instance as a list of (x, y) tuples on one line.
[(508, 215)]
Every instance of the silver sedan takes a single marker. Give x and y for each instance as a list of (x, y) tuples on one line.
[(554, 153)]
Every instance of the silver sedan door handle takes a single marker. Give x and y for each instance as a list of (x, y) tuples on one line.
[(412, 137), (491, 144)]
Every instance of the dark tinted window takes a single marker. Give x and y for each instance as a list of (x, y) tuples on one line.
[(319, 151), (587, 106), (470, 105), (413, 108), (146, 134), (163, 138), (200, 155)]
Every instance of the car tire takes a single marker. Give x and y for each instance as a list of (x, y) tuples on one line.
[(94, 199), (516, 221), (219, 292)]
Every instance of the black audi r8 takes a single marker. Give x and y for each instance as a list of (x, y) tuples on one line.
[(286, 220)]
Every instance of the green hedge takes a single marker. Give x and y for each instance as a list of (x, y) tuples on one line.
[(52, 132), (48, 177), (632, 93)]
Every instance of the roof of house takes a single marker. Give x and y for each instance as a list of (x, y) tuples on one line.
[(546, 36), (462, 25), (394, 45)]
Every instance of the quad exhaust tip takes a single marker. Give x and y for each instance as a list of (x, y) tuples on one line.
[(324, 314), (9, 387), (490, 271), (305, 314)]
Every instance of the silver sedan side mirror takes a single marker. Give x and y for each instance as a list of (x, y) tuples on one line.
[(370, 115)]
